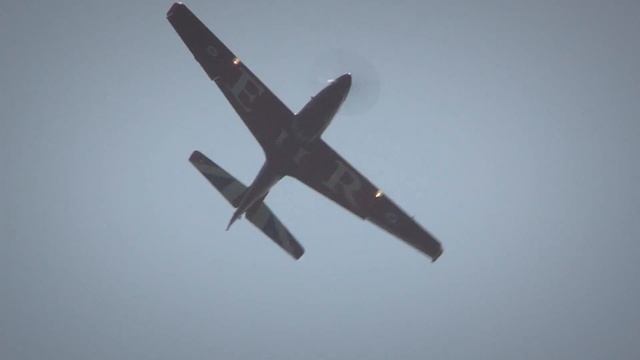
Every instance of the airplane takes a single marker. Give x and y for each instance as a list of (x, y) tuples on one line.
[(292, 145)]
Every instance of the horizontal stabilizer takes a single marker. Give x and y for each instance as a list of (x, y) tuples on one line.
[(259, 215)]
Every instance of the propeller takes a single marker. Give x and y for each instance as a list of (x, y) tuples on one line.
[(365, 83)]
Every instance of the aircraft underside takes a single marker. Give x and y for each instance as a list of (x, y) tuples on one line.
[(292, 144)]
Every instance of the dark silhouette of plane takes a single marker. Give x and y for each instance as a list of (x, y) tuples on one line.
[(292, 146)]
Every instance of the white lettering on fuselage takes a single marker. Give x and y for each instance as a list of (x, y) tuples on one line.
[(283, 135), (391, 217), (343, 181), (246, 90), (299, 155), (348, 185), (300, 152), (211, 50)]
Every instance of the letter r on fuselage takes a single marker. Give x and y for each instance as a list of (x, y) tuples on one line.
[(345, 181)]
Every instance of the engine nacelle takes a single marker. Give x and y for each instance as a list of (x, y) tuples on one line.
[(310, 122)]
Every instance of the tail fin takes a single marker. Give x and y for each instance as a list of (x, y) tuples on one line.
[(259, 214)]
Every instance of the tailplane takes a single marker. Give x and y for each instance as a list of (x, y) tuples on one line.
[(243, 199)]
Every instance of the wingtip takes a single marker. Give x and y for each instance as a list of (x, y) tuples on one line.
[(174, 8), (297, 254), (195, 156), (437, 255)]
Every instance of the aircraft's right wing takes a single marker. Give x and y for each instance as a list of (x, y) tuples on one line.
[(259, 215), (260, 109)]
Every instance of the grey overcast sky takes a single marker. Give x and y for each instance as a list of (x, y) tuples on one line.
[(510, 129)]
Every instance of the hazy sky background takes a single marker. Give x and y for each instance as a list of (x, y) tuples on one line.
[(510, 129)]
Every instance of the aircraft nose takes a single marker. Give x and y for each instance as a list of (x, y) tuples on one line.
[(343, 83), (345, 80)]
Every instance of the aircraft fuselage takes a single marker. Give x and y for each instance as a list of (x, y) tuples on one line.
[(290, 146), (316, 115)]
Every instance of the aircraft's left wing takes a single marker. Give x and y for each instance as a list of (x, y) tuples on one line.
[(259, 215), (324, 170), (262, 111)]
